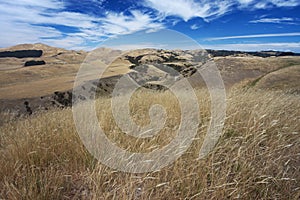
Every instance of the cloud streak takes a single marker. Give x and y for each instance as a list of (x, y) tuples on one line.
[(282, 20), (254, 36), (188, 9), (116, 24), (209, 10), (292, 46)]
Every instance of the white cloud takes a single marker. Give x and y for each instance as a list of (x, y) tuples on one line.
[(137, 46), (30, 21), (261, 5), (264, 4), (284, 20), (115, 23), (48, 4), (293, 46), (195, 27), (209, 10), (185, 9), (19, 33), (245, 2), (27, 21), (188, 9), (254, 36), (285, 3), (72, 42)]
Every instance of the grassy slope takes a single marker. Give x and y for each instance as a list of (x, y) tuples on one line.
[(256, 158), (60, 71), (286, 79), (237, 69)]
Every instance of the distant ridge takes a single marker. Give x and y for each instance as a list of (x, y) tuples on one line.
[(264, 54), (213, 53), (36, 46)]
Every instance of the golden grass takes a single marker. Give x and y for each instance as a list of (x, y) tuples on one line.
[(258, 156), (286, 79), (60, 71)]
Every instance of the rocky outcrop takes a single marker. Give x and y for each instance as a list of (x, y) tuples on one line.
[(62, 99), (153, 86), (22, 54)]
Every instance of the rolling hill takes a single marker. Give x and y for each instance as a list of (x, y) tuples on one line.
[(42, 75)]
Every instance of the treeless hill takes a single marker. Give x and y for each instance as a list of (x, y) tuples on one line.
[(286, 79), (57, 74), (237, 69), (19, 82), (56, 69)]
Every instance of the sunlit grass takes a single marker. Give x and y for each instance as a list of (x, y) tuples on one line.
[(258, 156)]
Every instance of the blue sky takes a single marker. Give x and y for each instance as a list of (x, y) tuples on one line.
[(221, 24)]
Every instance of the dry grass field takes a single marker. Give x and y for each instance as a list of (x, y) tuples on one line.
[(286, 79), (257, 157)]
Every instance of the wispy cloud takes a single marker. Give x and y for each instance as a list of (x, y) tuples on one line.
[(195, 27), (188, 9), (138, 46), (282, 20), (115, 23), (46, 4), (208, 10), (284, 3), (30, 21), (265, 4), (254, 36)]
